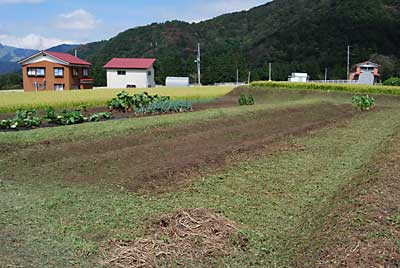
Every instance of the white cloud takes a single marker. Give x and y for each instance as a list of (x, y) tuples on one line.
[(79, 19), (21, 1), (32, 41)]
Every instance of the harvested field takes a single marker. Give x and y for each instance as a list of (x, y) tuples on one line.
[(163, 159)]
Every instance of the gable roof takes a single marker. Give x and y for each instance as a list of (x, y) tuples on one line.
[(130, 63), (368, 63), (66, 58)]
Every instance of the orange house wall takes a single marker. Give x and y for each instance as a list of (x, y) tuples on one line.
[(68, 80)]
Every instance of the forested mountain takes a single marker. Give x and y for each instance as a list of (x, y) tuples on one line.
[(63, 48), (295, 35)]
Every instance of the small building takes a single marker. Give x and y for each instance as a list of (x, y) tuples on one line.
[(365, 73), (130, 73), (298, 77), (177, 82), (47, 70)]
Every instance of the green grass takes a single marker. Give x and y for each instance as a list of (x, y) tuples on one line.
[(386, 90), (275, 198), (12, 101)]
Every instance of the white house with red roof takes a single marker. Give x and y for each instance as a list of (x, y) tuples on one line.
[(130, 73), (48, 70)]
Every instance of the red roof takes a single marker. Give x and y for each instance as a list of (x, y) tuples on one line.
[(129, 63), (68, 58)]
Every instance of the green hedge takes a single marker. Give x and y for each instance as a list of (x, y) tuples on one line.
[(394, 90), (393, 81)]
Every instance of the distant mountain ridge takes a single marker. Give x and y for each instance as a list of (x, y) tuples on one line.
[(295, 35), (9, 56), (13, 54)]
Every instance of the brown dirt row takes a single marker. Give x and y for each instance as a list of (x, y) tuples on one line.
[(161, 159)]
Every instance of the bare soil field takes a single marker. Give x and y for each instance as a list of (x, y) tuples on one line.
[(167, 157)]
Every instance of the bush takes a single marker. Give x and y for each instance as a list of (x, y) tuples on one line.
[(165, 106), (98, 116), (363, 103), (393, 81), (127, 103), (246, 100), (23, 118)]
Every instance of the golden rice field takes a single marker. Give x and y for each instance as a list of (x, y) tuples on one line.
[(376, 89), (12, 101)]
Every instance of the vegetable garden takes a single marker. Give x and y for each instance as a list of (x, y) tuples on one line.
[(266, 178)]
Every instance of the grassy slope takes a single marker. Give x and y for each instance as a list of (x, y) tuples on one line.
[(276, 198), (10, 102)]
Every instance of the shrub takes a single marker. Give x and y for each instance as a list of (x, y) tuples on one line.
[(393, 81), (98, 116), (363, 103), (127, 103), (246, 100), (65, 117), (23, 118), (165, 106)]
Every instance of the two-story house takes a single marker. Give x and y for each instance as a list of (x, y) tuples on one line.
[(47, 70)]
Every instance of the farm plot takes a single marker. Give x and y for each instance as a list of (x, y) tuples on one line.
[(264, 177), (10, 102)]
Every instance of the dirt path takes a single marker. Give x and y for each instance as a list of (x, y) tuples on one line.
[(161, 159)]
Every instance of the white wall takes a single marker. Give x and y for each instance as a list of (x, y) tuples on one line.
[(136, 77)]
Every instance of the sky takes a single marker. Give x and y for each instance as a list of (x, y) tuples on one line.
[(40, 24)]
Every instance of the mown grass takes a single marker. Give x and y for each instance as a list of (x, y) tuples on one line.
[(376, 89), (10, 102), (275, 198)]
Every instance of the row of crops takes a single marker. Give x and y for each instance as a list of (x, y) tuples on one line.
[(388, 90), (139, 104)]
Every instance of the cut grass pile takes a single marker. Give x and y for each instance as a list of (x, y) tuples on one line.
[(10, 102), (386, 90), (192, 237), (276, 199)]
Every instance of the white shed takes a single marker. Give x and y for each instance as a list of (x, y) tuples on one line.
[(130, 73), (298, 77), (177, 82)]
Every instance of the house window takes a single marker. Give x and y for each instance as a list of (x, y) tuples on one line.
[(59, 72), (121, 72), (149, 73), (75, 72), (58, 87), (85, 72), (36, 72)]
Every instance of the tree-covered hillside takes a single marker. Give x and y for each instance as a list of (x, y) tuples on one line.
[(296, 35)]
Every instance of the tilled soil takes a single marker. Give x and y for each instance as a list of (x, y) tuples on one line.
[(160, 159)]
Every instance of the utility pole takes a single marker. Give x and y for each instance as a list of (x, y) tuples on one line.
[(270, 71), (326, 74), (348, 62), (248, 80), (237, 76), (198, 61)]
